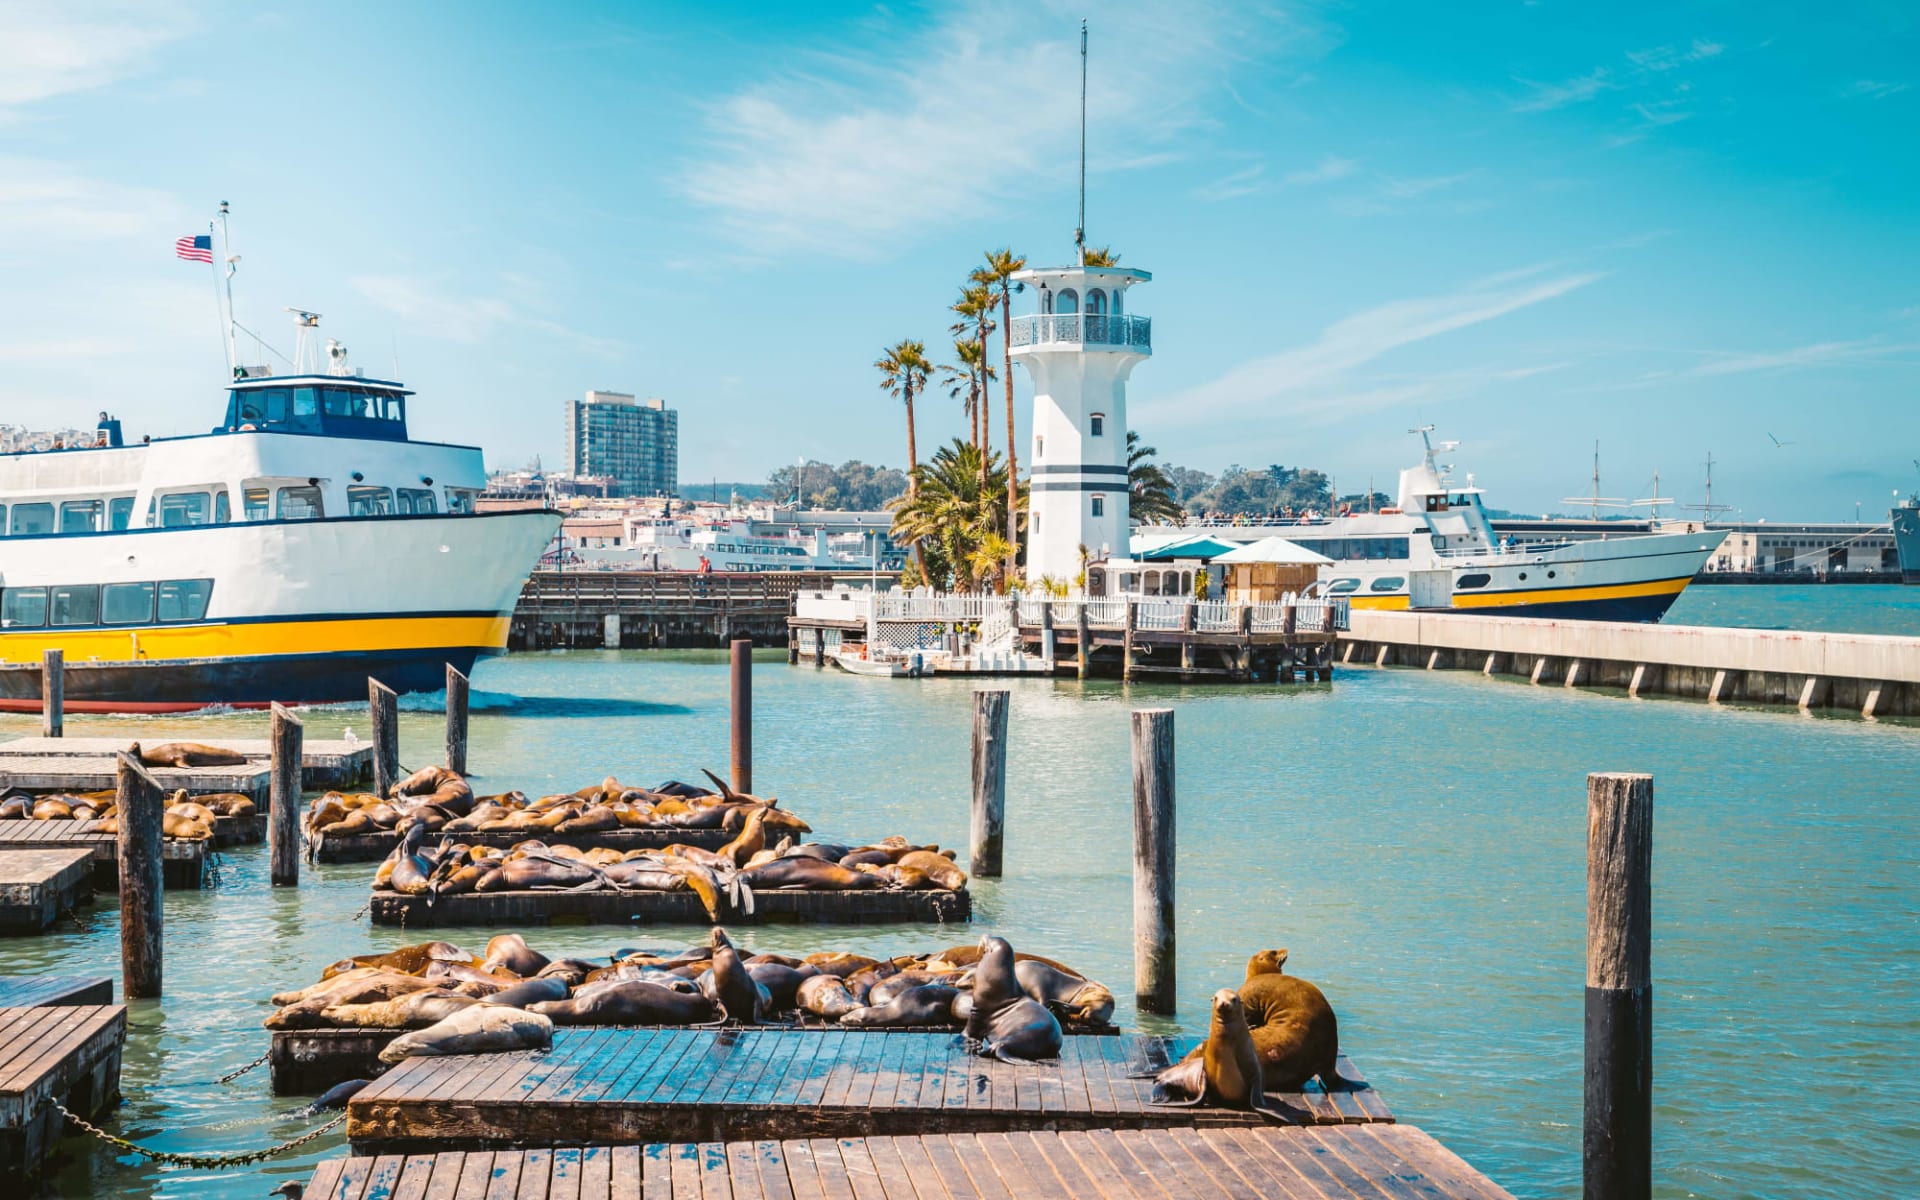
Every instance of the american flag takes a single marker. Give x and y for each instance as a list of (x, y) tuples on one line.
[(195, 248)]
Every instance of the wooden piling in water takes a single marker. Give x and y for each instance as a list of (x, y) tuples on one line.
[(384, 708), (989, 782), (1080, 636), (1126, 641), (139, 803), (742, 692), (1153, 859), (53, 693), (456, 721), (1617, 1142), (287, 738)]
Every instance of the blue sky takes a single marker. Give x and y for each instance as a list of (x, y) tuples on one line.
[(1674, 228)]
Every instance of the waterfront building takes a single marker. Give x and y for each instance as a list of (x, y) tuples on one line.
[(633, 442), (1078, 349)]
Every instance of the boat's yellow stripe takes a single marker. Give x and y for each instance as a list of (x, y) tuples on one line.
[(1379, 602), (338, 635), (1610, 591)]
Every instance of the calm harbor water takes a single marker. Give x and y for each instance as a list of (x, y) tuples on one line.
[(1416, 841), (1829, 608)]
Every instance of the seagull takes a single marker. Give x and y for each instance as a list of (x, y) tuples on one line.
[(290, 1189), (1778, 444)]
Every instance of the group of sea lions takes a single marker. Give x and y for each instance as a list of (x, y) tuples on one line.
[(187, 817)]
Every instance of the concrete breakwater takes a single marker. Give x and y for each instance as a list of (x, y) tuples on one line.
[(1870, 674)]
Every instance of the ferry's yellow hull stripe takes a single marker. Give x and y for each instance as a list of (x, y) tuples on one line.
[(1610, 591), (259, 639)]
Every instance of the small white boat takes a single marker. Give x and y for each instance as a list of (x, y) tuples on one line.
[(913, 665)]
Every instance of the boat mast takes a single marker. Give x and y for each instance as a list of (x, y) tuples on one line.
[(1080, 228), (228, 258)]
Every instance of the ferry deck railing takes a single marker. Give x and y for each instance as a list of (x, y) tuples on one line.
[(1153, 613)]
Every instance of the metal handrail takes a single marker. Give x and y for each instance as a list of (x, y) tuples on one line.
[(1089, 329)]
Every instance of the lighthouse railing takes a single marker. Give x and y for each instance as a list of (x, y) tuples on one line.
[(1088, 329)]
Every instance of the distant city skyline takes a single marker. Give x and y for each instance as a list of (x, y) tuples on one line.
[(1676, 229)]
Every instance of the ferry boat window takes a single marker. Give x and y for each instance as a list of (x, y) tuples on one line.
[(126, 604), (299, 504), (1387, 583), (420, 500), (184, 599), (1478, 579), (32, 518), (460, 500), (76, 604), (81, 516), (369, 501), (256, 503), (1099, 506), (184, 508), (1341, 587), (120, 512), (222, 507), (23, 608), (1097, 425)]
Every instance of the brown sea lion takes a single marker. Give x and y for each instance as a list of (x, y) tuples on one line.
[(509, 951), (742, 997), (825, 996), (187, 754), (808, 873), (781, 982), (1294, 1029), (1005, 1022), (52, 808), (411, 868), (228, 804), (306, 1013), (410, 960), (937, 867), (415, 1010), (922, 1004), (332, 983), (628, 1002), (1075, 999), (886, 989), (480, 1029), (1267, 962), (1225, 1069), (529, 991)]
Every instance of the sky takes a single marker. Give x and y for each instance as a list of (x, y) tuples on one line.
[(1675, 229)]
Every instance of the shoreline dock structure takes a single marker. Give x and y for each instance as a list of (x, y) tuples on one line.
[(656, 609), (1872, 675), (1085, 637), (60, 1041), (75, 763)]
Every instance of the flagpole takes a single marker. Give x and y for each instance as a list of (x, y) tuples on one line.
[(219, 317), (226, 260)]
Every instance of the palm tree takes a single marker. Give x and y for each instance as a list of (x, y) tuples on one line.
[(1099, 256), (997, 275), (1152, 496), (962, 378), (903, 371), (975, 307), (953, 514)]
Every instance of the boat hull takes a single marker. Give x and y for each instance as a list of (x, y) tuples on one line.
[(1906, 541)]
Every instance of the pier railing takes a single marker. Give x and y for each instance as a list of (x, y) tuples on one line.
[(1160, 613), (1088, 329)]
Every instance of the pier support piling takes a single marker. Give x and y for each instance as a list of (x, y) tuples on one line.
[(742, 692), (1616, 1144), (286, 739), (1639, 677), (1080, 636), (383, 706), (1153, 860), (989, 783), (1126, 641), (140, 804), (456, 721), (610, 631), (53, 693)]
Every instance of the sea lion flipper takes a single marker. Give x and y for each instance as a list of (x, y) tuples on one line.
[(725, 790), (1282, 1113)]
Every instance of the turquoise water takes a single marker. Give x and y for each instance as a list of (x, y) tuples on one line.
[(1416, 840), (1834, 608)]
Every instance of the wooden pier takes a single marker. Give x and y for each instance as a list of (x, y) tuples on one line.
[(649, 609), (509, 910), (35, 991), (69, 1053), (74, 773), (372, 847), (183, 863), (1358, 1162), (620, 1085), (37, 886), (323, 764)]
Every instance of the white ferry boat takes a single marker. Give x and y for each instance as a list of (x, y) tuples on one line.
[(681, 544), (1436, 550), (301, 545)]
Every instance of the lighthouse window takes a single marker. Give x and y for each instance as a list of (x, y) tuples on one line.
[(120, 512), (299, 504), (1096, 302), (81, 516), (23, 608), (185, 599), (76, 604), (370, 501), (1067, 302), (1097, 425), (126, 604), (1099, 506), (32, 518)]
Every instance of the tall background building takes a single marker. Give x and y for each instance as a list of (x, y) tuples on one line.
[(636, 443)]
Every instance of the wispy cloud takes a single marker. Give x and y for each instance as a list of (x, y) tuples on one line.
[(1654, 75), (48, 49), (1324, 367), (1407, 189), (1327, 170), (1254, 179), (846, 151), (428, 308), (1230, 187), (1873, 89), (1667, 58), (1816, 355), (1547, 96), (52, 202)]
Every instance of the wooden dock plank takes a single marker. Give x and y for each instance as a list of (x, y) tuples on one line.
[(34, 991), (376, 845), (771, 905)]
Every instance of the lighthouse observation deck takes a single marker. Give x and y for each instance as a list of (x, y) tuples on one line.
[(1111, 330)]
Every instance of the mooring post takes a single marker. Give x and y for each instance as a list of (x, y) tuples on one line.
[(1080, 635), (1046, 632), (742, 673), (383, 707), (1126, 642), (456, 721), (286, 739), (1153, 859), (1246, 640), (1617, 1143), (53, 693), (139, 804), (989, 783)]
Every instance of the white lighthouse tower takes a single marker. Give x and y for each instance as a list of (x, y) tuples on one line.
[(1079, 349)]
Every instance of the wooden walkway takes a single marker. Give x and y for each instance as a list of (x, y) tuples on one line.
[(183, 863), (621, 1085), (1358, 1162), (34, 991), (323, 763), (770, 905), (372, 847), (70, 1053), (97, 773), (36, 886)]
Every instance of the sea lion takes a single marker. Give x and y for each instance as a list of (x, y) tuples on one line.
[(1294, 1028), (334, 1097), (825, 996), (415, 1010), (837, 962), (307, 1013), (824, 851), (781, 982), (886, 989), (1224, 1069), (52, 808), (1005, 1022), (187, 754), (408, 960), (936, 867), (529, 991), (1069, 996), (509, 951), (922, 1004), (742, 997), (571, 971), (411, 868), (1267, 962), (480, 1029), (627, 1002), (805, 872), (332, 983), (228, 804)]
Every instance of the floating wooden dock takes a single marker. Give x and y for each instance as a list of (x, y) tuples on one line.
[(617, 1085), (651, 609), (96, 773), (183, 863), (371, 847), (1357, 1162), (69, 1053), (508, 910), (34, 991), (37, 886), (308, 1061), (323, 764)]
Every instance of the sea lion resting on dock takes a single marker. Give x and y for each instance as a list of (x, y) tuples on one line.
[(414, 1010), (1294, 1028), (628, 1002), (187, 754), (1225, 1069), (1005, 1022), (920, 1004), (480, 1029)]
